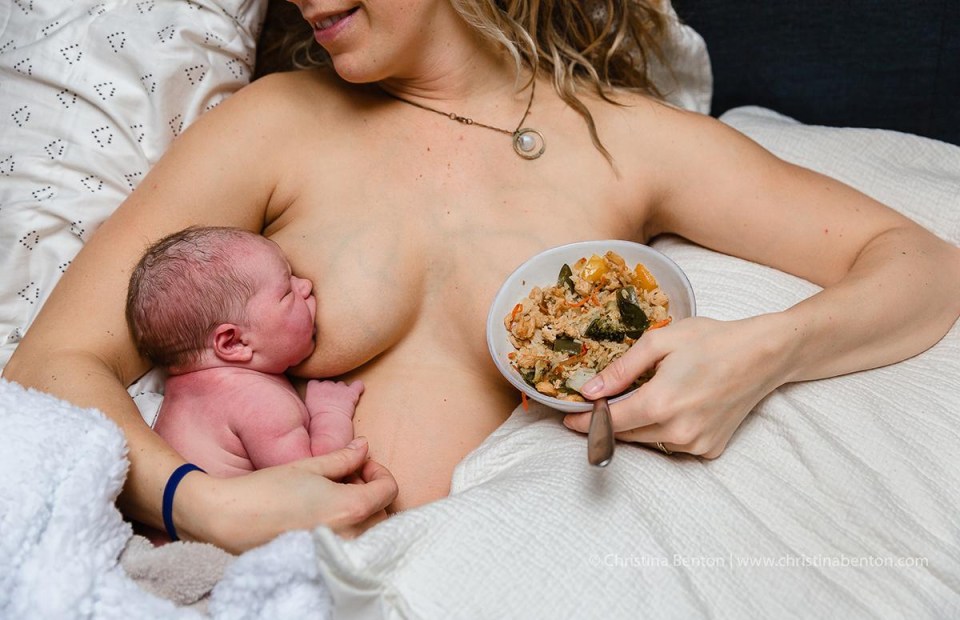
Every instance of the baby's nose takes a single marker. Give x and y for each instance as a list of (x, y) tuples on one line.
[(303, 286)]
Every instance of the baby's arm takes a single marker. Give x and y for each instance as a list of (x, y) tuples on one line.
[(270, 426), (331, 406)]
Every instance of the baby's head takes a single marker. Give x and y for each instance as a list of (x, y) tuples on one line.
[(216, 296)]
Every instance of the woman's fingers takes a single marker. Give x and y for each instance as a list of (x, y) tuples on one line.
[(627, 414), (618, 376), (341, 463), (354, 530), (379, 487), (369, 487), (707, 380), (654, 434), (372, 490)]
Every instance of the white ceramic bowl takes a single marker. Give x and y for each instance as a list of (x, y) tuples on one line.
[(542, 270)]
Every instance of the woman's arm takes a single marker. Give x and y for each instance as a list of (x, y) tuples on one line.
[(217, 173), (891, 288), (894, 284)]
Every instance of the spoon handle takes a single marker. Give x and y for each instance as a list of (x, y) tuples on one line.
[(600, 435)]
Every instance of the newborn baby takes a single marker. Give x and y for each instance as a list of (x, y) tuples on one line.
[(220, 310)]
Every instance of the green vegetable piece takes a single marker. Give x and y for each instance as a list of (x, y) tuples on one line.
[(538, 370), (567, 345), (579, 377), (634, 319), (603, 328), (529, 377), (566, 277)]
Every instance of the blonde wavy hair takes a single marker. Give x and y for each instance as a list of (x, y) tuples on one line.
[(588, 45)]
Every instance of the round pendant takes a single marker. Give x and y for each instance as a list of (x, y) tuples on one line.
[(528, 143)]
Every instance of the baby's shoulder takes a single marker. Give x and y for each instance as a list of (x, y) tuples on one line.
[(229, 384), (244, 380)]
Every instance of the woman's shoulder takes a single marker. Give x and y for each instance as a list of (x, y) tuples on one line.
[(643, 124), (305, 90), (292, 82), (282, 105), (640, 110)]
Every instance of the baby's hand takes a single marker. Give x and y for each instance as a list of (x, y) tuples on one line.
[(333, 396)]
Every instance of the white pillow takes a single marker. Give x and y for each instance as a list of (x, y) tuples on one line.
[(688, 83), (91, 94)]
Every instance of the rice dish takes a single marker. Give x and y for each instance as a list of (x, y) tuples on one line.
[(566, 333)]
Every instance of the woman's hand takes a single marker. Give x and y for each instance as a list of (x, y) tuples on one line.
[(240, 513), (709, 375)]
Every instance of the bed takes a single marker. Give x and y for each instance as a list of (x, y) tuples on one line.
[(837, 498)]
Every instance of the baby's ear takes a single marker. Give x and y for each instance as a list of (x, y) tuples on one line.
[(228, 344)]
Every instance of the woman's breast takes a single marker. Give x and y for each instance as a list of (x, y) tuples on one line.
[(403, 284), (419, 279), (426, 405), (368, 281)]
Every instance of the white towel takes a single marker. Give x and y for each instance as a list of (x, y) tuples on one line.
[(61, 535), (60, 532)]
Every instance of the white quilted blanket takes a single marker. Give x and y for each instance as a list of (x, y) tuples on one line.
[(837, 498)]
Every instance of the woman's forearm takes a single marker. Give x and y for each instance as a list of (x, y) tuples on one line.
[(899, 298)]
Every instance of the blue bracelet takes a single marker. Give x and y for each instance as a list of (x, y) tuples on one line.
[(168, 492)]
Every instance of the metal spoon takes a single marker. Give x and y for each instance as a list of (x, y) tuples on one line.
[(600, 435)]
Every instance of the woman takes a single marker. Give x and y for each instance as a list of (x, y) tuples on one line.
[(407, 221)]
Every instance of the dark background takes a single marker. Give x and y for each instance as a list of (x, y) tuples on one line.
[(891, 64)]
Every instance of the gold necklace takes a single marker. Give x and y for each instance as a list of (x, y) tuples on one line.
[(527, 142)]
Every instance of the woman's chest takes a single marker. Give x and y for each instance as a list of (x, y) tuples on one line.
[(418, 250)]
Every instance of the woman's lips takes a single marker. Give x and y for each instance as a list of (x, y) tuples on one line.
[(328, 28), (329, 21)]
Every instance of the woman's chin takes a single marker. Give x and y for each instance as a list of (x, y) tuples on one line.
[(356, 71)]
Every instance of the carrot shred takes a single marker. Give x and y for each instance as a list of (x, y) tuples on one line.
[(585, 300), (660, 324), (516, 310), (523, 399)]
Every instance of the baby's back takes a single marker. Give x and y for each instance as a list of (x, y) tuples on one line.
[(205, 413)]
